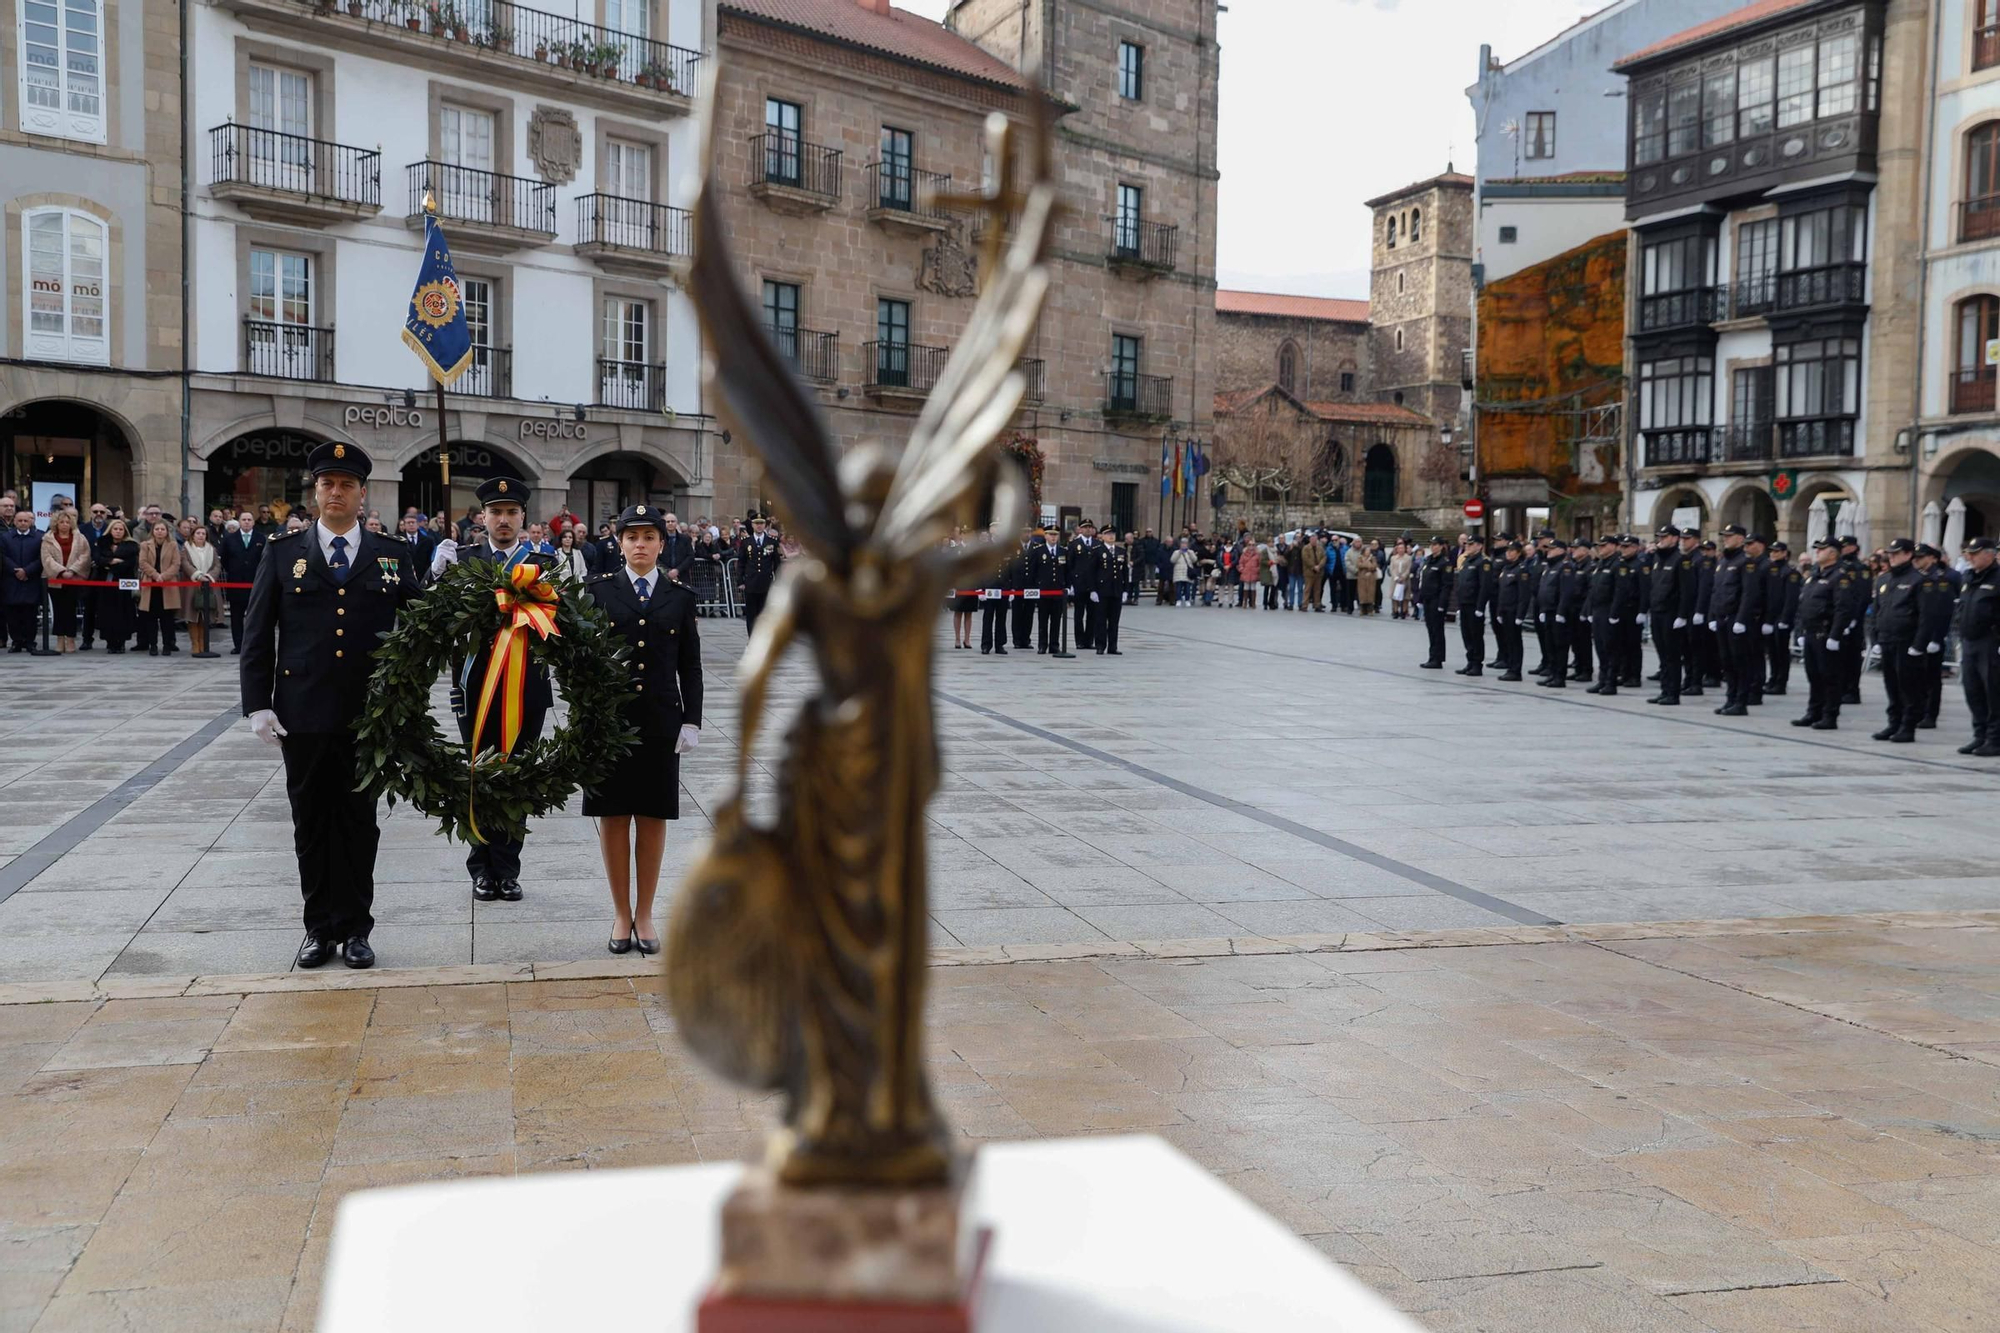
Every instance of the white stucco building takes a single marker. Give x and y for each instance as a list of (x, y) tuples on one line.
[(562, 154)]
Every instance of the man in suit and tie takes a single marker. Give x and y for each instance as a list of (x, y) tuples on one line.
[(242, 552), (411, 533), (495, 865), (677, 554)]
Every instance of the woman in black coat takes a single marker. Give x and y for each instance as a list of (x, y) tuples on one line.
[(655, 616), (117, 558)]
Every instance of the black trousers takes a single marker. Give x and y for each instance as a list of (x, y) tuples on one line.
[(1434, 626), (498, 859), (1977, 659), (753, 606), (1107, 626), (1543, 641), (1671, 644), (1093, 620), (1631, 640), (1933, 686), (1778, 659), (1742, 658), (1048, 623), (87, 601), (1023, 615), (1507, 631), (1080, 632), (1579, 643), (1825, 680), (1903, 677), (1853, 655), (21, 626), (1472, 633), (1751, 665), (1556, 660), (1604, 640), (239, 602), (333, 833), (993, 625)]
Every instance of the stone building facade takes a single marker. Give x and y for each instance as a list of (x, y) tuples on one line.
[(1315, 347), (1420, 295), (90, 246)]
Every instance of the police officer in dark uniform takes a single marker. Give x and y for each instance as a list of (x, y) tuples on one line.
[(1555, 611), (1941, 587), (993, 601), (1537, 561), (1474, 586), (1498, 555), (1433, 591), (1854, 644), (1725, 599), (758, 557), (1084, 552), (1628, 629), (1979, 647), (1669, 595), (1048, 571), (495, 865), (1512, 605), (1753, 613), (1599, 600), (1704, 661), (1783, 589), (1898, 620), (324, 597), (1829, 599), (1021, 615), (1114, 571)]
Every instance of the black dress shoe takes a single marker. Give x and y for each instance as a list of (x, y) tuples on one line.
[(1826, 724), (356, 953), (1883, 734), (314, 951), (1665, 702), (1805, 721), (1734, 710), (1774, 689), (509, 890), (1431, 666), (1694, 693), (1117, 652), (1511, 675), (1989, 750), (485, 890), (1903, 737), (617, 945), (1928, 724), (1970, 747), (1851, 697)]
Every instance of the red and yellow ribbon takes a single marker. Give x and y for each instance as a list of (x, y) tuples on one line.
[(529, 603)]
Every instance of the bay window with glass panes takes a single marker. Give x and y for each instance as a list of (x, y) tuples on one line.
[(1821, 256), (1676, 408), (1677, 282), (1819, 396)]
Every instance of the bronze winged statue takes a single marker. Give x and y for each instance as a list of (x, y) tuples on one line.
[(796, 952)]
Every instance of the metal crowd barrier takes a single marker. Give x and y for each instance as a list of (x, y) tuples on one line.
[(713, 583)]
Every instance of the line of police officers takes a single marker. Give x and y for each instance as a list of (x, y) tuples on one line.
[(1725, 615), (1089, 575)]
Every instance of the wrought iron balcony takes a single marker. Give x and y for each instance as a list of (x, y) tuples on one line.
[(632, 234), (505, 212), (1830, 284), (1033, 370), (905, 197), (637, 386), (1677, 445), (1754, 295), (1748, 442), (1972, 390), (1128, 394), (1142, 247), (1677, 310), (288, 351), (792, 175), (491, 374), (290, 178), (1816, 437), (503, 43), (895, 368), (1986, 46), (814, 355), (1979, 219)]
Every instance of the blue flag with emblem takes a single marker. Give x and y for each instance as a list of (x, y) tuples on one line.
[(435, 325)]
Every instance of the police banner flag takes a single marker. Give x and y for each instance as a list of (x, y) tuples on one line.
[(435, 326)]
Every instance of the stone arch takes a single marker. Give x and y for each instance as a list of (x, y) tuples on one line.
[(1379, 480), (1813, 486), (1748, 503), (87, 445), (1288, 366), (525, 464), (1680, 497), (1968, 470), (204, 446), (680, 469)]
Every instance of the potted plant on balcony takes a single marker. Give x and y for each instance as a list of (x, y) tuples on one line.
[(413, 17), (608, 56), (498, 38), (354, 7), (655, 76)]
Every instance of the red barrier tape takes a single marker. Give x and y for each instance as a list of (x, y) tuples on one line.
[(112, 583), (1007, 592)]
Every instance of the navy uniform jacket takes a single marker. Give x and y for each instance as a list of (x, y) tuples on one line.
[(1432, 581), (1753, 608), (1512, 600), (1704, 585), (1114, 572), (1979, 605), (1898, 605), (1628, 594), (1475, 583), (1829, 601), (308, 641), (1939, 599), (760, 562), (1601, 597), (1046, 566), (1726, 591), (663, 650), (1785, 582), (1670, 586)]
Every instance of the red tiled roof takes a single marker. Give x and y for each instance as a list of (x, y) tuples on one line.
[(1446, 178), (1736, 18), (1291, 307), (1228, 401), (898, 33)]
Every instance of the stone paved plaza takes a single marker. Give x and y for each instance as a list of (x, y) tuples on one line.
[(1538, 1012), (1234, 774)]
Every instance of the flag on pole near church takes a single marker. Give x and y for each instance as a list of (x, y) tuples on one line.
[(435, 327), (1166, 468), (1180, 473)]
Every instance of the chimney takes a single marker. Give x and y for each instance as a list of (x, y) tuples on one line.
[(875, 6)]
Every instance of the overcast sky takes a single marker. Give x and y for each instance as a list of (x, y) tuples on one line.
[(1326, 103)]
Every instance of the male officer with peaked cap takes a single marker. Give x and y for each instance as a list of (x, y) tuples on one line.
[(324, 597)]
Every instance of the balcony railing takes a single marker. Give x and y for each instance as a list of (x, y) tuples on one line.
[(1986, 47), (1674, 310), (491, 374), (1143, 244), (1972, 390), (1754, 295), (1833, 284), (1034, 371), (1677, 445), (894, 365), (635, 385), (1816, 437), (241, 155), (1747, 442), (634, 224), (815, 355), (901, 188), (483, 198), (501, 26), (789, 162), (1133, 395), (288, 351), (1979, 219)]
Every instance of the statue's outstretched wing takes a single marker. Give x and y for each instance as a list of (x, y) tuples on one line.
[(759, 398), (976, 395)]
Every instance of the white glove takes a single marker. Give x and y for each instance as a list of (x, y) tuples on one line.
[(446, 554), (1700, 619), (1916, 651), (1681, 623), (1935, 648), (1643, 617), (1093, 597), (1833, 645), (265, 723), (1737, 628), (1614, 620), (1562, 620), (690, 737), (1766, 629)]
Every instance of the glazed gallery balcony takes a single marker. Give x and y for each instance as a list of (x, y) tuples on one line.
[(633, 236), (278, 177), (793, 176), (1678, 445), (1675, 310), (500, 43), (487, 211)]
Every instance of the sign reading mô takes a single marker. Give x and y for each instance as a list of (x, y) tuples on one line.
[(380, 417), (1114, 465)]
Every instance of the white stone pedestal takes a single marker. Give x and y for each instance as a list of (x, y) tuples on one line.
[(1104, 1235)]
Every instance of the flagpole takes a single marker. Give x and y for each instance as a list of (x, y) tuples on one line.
[(444, 456)]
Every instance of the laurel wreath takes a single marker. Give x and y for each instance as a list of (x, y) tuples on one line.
[(403, 755)]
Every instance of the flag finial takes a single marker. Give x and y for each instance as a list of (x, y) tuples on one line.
[(430, 203)]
